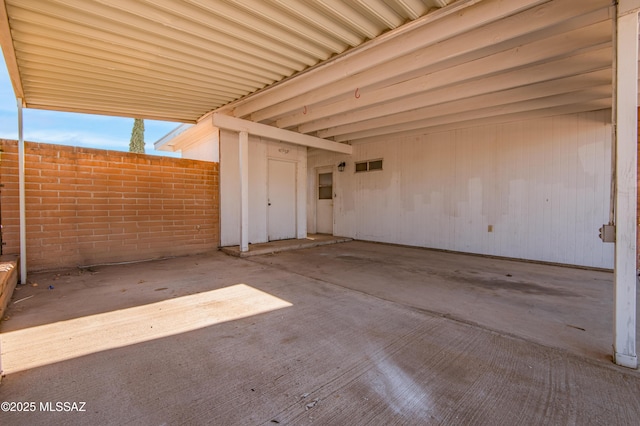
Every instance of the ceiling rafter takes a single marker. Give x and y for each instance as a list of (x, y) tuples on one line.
[(532, 53), (592, 61), (504, 117), (532, 104), (571, 84), (510, 32)]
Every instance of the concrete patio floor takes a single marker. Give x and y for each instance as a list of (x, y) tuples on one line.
[(351, 333)]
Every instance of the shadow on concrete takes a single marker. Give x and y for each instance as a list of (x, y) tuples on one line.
[(359, 333)]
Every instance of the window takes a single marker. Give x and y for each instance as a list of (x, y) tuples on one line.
[(368, 166), (375, 165), (325, 186)]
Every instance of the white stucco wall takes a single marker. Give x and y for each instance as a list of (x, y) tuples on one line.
[(205, 149), (260, 150), (195, 142), (542, 185)]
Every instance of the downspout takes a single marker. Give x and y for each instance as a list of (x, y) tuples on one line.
[(21, 186)]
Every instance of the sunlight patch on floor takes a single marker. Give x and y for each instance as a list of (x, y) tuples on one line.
[(50, 343)]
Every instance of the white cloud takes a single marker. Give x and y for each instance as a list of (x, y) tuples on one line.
[(75, 138)]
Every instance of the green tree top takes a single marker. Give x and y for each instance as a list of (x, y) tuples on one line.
[(137, 137)]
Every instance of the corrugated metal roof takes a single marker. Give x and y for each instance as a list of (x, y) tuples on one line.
[(177, 60)]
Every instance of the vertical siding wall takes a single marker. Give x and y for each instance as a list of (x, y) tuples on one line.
[(542, 185), (88, 206), (260, 151)]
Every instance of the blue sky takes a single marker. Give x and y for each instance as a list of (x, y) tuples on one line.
[(63, 128)]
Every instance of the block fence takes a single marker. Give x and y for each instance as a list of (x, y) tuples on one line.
[(89, 206)]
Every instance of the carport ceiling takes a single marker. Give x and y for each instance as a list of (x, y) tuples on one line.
[(177, 60), (339, 69)]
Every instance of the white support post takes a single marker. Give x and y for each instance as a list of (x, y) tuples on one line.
[(243, 159), (626, 142), (21, 192), (301, 198)]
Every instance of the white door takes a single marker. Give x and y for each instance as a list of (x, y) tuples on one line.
[(281, 200), (324, 201)]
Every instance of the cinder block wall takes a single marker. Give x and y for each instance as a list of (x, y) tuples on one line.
[(89, 206)]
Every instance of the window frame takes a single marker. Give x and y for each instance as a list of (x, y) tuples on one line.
[(368, 165)]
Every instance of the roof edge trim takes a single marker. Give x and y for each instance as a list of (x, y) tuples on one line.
[(239, 125), (6, 42)]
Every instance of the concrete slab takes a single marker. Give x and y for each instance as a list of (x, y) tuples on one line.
[(312, 240), (561, 307), (280, 339)]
